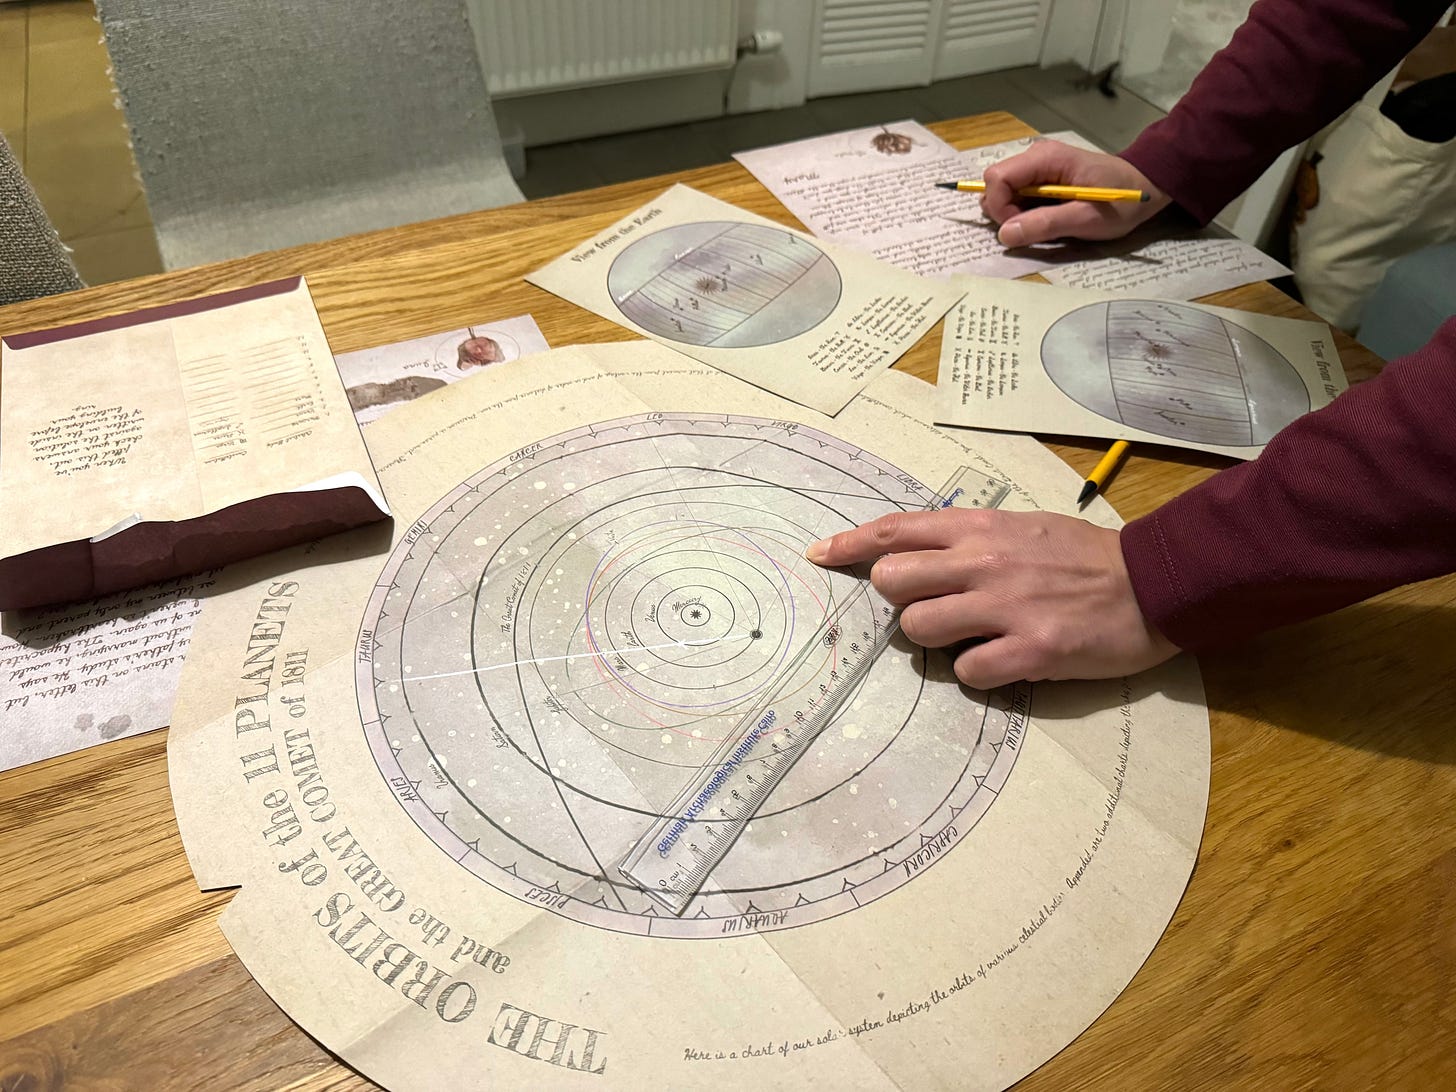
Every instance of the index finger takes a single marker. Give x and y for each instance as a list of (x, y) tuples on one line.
[(896, 533)]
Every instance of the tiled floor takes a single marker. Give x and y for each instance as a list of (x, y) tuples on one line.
[(58, 110)]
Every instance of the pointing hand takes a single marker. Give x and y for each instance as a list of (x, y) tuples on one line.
[(1049, 594)]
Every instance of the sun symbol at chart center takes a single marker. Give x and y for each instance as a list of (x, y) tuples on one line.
[(621, 633)]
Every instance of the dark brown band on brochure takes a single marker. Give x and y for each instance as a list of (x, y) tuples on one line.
[(158, 313), (148, 552)]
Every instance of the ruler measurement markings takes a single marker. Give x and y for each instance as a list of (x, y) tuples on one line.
[(667, 863)]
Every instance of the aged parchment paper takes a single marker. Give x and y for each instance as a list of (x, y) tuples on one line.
[(808, 320), (874, 189), (116, 433), (1037, 358), (408, 754), (80, 674)]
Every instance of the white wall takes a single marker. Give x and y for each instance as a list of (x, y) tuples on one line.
[(779, 79), (1071, 33), (1093, 33)]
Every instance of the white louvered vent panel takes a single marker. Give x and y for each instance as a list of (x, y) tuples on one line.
[(969, 22), (857, 27), (860, 45), (987, 35), (530, 46)]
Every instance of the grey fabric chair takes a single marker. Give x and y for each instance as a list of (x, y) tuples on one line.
[(32, 260), (269, 123)]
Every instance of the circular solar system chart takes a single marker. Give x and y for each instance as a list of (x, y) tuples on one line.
[(1174, 370), (561, 643), (724, 284)]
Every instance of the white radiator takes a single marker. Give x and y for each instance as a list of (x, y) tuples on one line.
[(530, 46)]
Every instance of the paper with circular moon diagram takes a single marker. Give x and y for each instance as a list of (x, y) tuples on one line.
[(1037, 358), (807, 319)]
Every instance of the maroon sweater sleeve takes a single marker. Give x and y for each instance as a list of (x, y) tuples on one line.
[(1344, 503), (1290, 70)]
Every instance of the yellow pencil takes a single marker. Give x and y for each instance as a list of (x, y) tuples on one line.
[(1061, 193), (1105, 468)]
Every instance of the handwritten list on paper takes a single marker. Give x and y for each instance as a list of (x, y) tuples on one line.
[(864, 345), (983, 351), (880, 197), (262, 395)]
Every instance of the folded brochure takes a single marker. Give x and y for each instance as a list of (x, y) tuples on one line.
[(171, 440)]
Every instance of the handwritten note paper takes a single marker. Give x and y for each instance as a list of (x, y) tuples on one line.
[(1039, 358), (86, 673), (1181, 268), (879, 196), (863, 190), (87, 438), (810, 321)]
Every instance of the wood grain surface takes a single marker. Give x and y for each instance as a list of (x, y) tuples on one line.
[(1315, 947)]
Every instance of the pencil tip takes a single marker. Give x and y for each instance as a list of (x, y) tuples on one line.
[(1089, 490), (946, 185)]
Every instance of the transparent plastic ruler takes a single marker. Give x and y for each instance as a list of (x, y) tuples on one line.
[(674, 858)]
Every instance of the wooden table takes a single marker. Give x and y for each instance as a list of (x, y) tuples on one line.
[(1316, 944)]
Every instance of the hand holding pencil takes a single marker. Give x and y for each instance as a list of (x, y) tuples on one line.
[(1049, 163)]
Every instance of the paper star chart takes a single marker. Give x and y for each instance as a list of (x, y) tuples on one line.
[(634, 588), (457, 767)]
